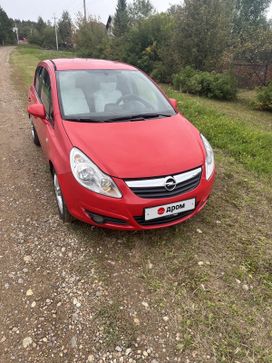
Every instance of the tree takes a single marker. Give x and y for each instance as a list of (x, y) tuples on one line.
[(43, 34), (147, 44), (41, 25), (252, 37), (65, 29), (7, 36), (120, 23), (35, 38), (90, 38), (203, 29), (174, 9), (255, 48), (25, 28), (139, 10), (48, 38), (248, 14)]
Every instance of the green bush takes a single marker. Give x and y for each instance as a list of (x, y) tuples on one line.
[(220, 86), (264, 98), (159, 73)]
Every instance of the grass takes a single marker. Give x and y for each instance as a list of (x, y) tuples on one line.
[(242, 109), (26, 59), (236, 131), (117, 327), (212, 275)]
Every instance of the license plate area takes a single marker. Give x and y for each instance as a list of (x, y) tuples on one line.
[(170, 209)]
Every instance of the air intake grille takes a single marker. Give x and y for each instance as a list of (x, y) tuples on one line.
[(156, 188)]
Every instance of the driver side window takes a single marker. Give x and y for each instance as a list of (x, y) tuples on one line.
[(45, 94), (37, 81)]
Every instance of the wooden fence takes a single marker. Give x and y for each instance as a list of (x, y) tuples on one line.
[(252, 75)]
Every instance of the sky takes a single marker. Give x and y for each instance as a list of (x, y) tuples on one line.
[(31, 9)]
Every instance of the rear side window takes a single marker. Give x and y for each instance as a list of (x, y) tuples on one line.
[(45, 92), (37, 81)]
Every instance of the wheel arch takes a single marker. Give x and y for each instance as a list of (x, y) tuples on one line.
[(51, 167)]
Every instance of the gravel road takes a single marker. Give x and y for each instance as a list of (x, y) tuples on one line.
[(195, 293), (65, 295)]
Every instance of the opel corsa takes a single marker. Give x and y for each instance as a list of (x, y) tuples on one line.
[(120, 153)]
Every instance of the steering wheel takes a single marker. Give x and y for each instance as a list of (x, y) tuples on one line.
[(132, 97)]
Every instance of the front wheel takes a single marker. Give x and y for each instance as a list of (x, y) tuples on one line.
[(63, 211), (35, 136)]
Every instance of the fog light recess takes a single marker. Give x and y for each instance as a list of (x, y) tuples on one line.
[(98, 219)]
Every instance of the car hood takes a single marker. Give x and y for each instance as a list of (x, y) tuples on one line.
[(139, 149)]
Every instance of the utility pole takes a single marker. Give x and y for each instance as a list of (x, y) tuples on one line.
[(56, 32), (84, 10), (15, 29)]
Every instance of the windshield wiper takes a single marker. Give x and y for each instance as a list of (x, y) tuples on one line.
[(83, 119), (140, 117)]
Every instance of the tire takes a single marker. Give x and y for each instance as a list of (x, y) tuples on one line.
[(65, 216), (35, 136)]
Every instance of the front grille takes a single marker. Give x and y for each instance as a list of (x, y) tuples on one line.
[(163, 220), (158, 190)]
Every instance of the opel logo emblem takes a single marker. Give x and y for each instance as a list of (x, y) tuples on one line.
[(170, 184)]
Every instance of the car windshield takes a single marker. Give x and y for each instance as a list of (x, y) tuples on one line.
[(110, 95)]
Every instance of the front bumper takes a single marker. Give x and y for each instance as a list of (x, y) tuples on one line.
[(127, 213)]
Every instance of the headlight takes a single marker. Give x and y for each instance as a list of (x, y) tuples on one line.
[(209, 157), (90, 176)]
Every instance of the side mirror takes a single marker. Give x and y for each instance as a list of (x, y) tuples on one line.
[(37, 110), (174, 103)]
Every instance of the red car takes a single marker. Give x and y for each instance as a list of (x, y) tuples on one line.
[(120, 153)]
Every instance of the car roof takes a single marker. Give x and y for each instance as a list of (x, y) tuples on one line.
[(64, 64)]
